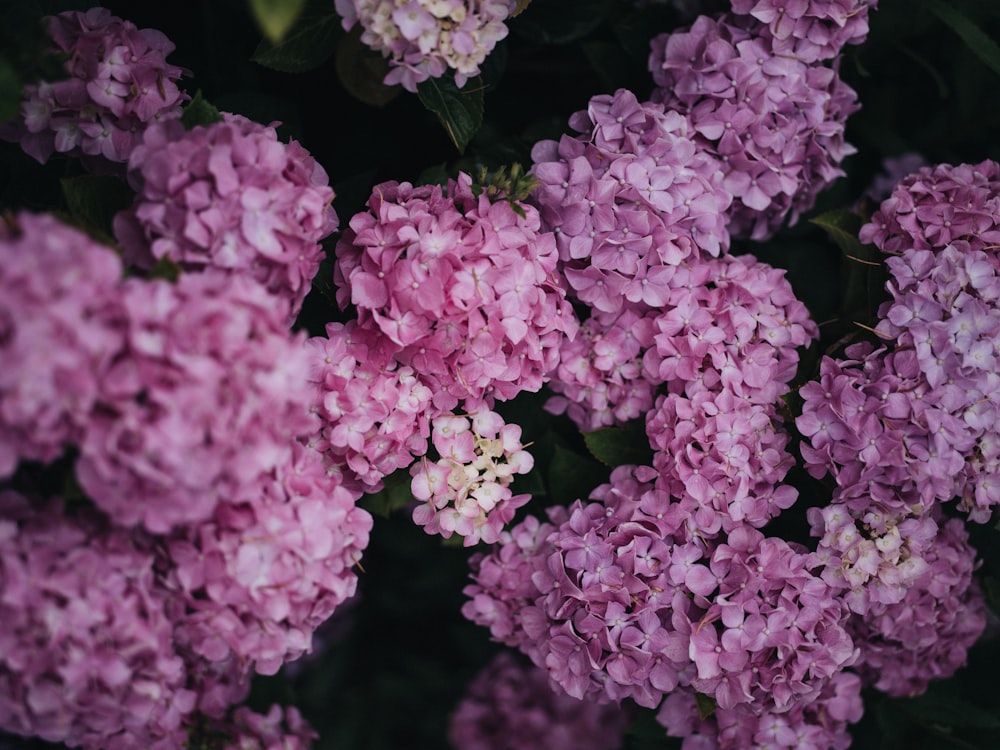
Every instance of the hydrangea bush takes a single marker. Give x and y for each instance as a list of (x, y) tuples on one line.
[(493, 374)]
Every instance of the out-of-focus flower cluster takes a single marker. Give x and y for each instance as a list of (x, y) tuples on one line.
[(119, 82), (229, 195), (424, 39), (511, 704)]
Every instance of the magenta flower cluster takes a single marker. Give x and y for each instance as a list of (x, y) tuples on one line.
[(462, 288), (229, 195), (212, 541), (374, 412), (775, 122), (119, 82), (907, 427), (424, 39), (467, 490), (631, 200), (616, 599), (809, 30), (510, 704)]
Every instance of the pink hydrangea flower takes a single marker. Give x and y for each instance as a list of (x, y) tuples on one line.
[(118, 83), (87, 656), (927, 634), (810, 30), (631, 200), (423, 39), (229, 195), (821, 724), (58, 334), (375, 413), (936, 205), (281, 728), (257, 579), (467, 490), (600, 380), (206, 395), (775, 123), (464, 287), (511, 703)]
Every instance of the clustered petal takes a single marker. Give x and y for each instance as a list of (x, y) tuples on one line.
[(424, 39), (467, 490), (118, 83), (775, 122), (462, 288), (231, 196), (57, 334), (511, 703)]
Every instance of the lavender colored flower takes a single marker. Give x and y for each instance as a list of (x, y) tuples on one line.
[(229, 195), (821, 724), (462, 288), (281, 728), (119, 82), (735, 324), (423, 39), (511, 704), (936, 205), (258, 578), (86, 655), (600, 380), (810, 30), (894, 170), (927, 634), (375, 414), (206, 395), (774, 122), (631, 200), (467, 490), (58, 333)]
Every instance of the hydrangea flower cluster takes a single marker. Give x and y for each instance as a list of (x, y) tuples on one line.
[(936, 205), (279, 729), (259, 577), (631, 200), (776, 123), (205, 397), (599, 380), (810, 30), (462, 288), (229, 195), (423, 39), (625, 604), (510, 703), (927, 634), (819, 725), (467, 490), (86, 656), (375, 413), (57, 287), (118, 83)]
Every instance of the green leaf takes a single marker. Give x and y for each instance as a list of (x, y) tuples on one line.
[(706, 704), (165, 269), (10, 91), (561, 21), (308, 44), (394, 495), (572, 476), (199, 111), (843, 227), (361, 71), (974, 37), (276, 17), (93, 201), (519, 7), (949, 710), (617, 446), (459, 110)]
